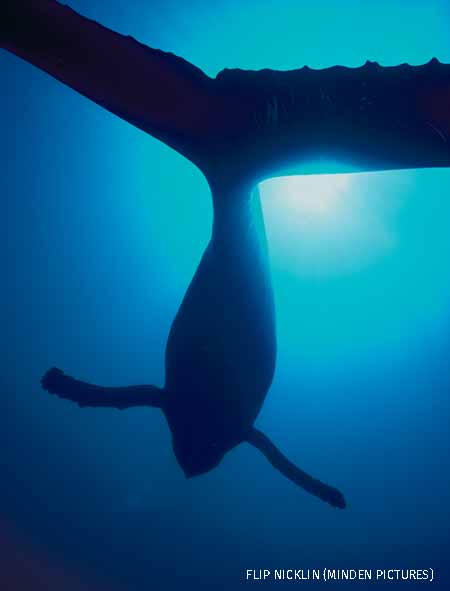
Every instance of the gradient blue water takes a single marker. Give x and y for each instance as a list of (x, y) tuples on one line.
[(102, 228)]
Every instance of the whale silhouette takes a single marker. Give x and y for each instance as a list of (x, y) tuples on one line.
[(238, 128), (220, 354)]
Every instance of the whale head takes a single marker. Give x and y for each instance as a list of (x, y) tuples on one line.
[(197, 455)]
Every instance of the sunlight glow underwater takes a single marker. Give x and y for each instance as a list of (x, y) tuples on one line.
[(328, 224), (359, 261)]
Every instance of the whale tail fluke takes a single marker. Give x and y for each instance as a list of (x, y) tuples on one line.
[(326, 493), (55, 381)]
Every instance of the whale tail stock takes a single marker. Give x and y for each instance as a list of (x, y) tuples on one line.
[(250, 123), (84, 394), (326, 493)]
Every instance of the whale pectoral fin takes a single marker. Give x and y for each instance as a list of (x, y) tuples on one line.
[(57, 382), (156, 91), (315, 487)]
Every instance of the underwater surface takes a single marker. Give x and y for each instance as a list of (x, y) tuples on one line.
[(102, 229)]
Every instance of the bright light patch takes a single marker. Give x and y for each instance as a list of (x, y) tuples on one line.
[(312, 195), (330, 224)]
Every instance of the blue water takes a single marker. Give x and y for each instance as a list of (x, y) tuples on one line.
[(102, 229)]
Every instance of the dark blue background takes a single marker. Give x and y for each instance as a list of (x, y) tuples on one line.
[(102, 228)]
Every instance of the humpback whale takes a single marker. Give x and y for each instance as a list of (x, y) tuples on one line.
[(237, 128)]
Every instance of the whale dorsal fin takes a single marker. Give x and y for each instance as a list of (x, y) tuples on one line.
[(315, 487)]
